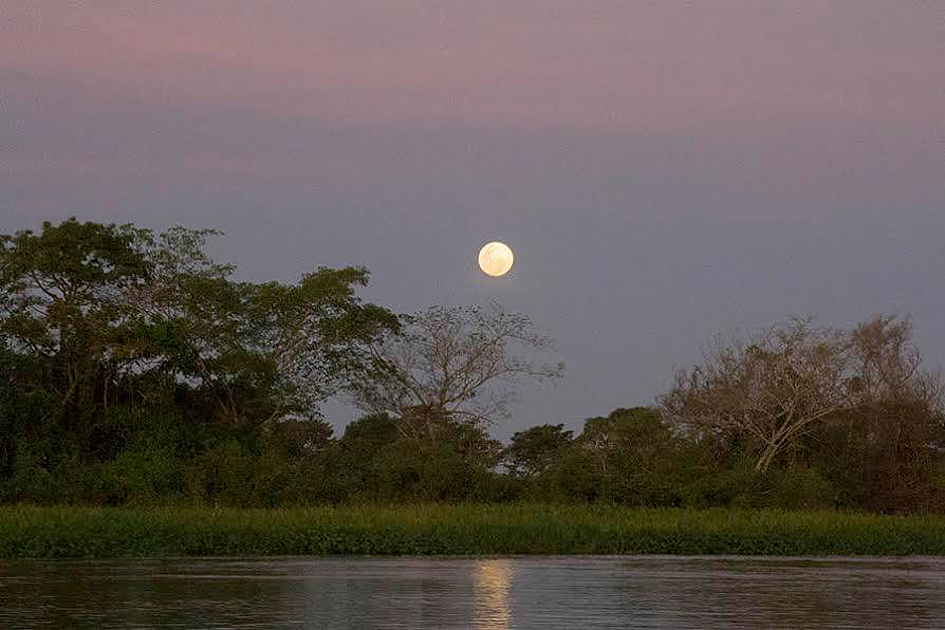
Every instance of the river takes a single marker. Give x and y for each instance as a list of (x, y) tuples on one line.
[(514, 592)]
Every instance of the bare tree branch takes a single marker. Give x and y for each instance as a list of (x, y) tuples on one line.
[(447, 363)]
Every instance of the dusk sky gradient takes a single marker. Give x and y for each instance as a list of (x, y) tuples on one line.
[(662, 170)]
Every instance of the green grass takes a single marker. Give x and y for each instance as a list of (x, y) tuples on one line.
[(69, 532)]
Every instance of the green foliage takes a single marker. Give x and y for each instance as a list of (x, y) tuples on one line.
[(575, 477), (107, 331), (374, 461), (427, 471), (135, 371), (466, 529), (149, 471), (533, 451), (742, 487), (628, 457), (33, 479)]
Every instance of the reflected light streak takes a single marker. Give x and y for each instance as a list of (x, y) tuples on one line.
[(491, 580)]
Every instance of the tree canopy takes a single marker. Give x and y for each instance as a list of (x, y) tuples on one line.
[(97, 316), (136, 369)]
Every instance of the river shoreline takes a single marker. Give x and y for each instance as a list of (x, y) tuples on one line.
[(463, 530)]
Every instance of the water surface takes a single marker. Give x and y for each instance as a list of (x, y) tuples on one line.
[(517, 592)]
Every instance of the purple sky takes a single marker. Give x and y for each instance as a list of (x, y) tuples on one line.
[(663, 170)]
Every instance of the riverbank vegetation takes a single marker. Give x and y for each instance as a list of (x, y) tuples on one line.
[(137, 371), (423, 529)]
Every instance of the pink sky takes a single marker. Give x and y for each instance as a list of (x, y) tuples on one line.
[(612, 67)]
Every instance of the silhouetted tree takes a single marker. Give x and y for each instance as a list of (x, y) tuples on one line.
[(103, 327), (772, 387), (450, 364), (533, 451), (890, 448)]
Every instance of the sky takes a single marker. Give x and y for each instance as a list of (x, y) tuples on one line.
[(663, 170)]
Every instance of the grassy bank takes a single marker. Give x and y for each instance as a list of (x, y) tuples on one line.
[(66, 532)]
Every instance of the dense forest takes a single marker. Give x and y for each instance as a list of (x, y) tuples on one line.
[(135, 369)]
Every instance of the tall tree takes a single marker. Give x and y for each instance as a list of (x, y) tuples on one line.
[(532, 452), (628, 440), (772, 387), (105, 314), (777, 387), (893, 442), (261, 351), (451, 364), (61, 304)]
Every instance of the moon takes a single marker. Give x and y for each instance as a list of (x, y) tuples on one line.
[(495, 258)]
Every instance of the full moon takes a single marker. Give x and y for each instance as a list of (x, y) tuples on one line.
[(495, 258)]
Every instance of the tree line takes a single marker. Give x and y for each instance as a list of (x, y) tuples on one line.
[(135, 369)]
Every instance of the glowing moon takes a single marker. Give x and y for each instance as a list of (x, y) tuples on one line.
[(495, 258)]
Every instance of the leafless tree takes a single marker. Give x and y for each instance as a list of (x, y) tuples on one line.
[(773, 386), (778, 385), (888, 365), (457, 364), (897, 432)]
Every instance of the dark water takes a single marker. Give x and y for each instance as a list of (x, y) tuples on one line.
[(545, 592)]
